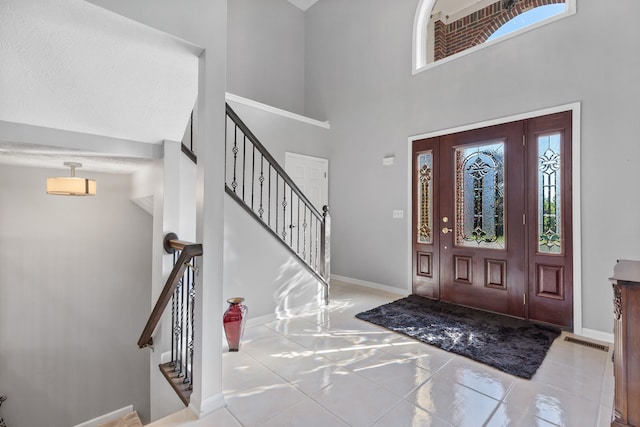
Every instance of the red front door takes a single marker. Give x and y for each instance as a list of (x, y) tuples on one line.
[(482, 211)]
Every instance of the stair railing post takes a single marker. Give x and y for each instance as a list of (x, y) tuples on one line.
[(325, 251)]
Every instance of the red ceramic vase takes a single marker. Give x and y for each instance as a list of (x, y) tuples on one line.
[(233, 321)]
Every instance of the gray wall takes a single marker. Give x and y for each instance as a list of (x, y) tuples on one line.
[(75, 286), (265, 52), (358, 76), (260, 269), (281, 134)]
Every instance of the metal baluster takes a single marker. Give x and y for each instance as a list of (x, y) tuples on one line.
[(261, 179), (244, 162), (310, 236), (181, 321), (276, 202), (177, 328), (193, 301), (234, 183), (226, 137), (253, 172), (188, 324), (183, 337), (298, 225), (173, 318), (2, 423), (269, 199), (291, 218), (284, 210), (317, 249), (304, 234)]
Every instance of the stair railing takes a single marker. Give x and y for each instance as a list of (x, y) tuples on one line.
[(2, 423), (179, 289), (255, 180)]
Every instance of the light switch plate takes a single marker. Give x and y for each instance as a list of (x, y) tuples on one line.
[(398, 214)]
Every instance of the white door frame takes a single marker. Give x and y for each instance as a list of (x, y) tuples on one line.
[(576, 217)]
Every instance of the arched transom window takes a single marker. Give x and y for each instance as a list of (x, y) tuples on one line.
[(447, 28)]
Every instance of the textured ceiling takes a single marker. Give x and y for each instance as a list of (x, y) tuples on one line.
[(73, 66)]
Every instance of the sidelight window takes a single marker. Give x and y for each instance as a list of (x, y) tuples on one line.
[(549, 192), (425, 197)]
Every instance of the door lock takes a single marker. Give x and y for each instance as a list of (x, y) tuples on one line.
[(446, 230)]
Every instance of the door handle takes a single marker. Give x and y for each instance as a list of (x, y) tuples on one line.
[(446, 230)]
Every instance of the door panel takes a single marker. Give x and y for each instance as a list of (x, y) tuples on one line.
[(550, 230), (482, 260)]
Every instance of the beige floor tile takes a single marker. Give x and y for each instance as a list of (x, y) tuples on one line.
[(404, 414), (326, 367), (453, 402), (356, 400), (551, 404)]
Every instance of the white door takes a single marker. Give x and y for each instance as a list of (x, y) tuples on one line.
[(311, 175)]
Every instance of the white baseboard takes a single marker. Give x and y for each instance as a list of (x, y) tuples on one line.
[(165, 357), (103, 419), (371, 285), (282, 314), (208, 406), (597, 335)]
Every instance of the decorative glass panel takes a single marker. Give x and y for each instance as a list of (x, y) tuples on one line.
[(549, 206), (425, 197), (480, 196)]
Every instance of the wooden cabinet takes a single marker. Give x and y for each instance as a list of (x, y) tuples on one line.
[(626, 356)]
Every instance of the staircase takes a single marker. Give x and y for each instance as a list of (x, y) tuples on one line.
[(255, 180), (260, 185)]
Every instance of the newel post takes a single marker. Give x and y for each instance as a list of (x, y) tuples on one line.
[(325, 251)]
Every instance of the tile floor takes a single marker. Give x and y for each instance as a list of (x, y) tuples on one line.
[(327, 368)]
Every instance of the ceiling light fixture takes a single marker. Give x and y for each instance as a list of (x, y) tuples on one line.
[(71, 185)]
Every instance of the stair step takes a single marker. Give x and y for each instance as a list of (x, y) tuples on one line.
[(129, 420)]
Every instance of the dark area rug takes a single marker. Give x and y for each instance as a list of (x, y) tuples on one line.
[(511, 345)]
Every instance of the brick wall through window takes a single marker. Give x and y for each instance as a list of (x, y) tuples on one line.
[(477, 27)]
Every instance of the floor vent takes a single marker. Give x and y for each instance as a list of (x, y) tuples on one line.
[(587, 343)]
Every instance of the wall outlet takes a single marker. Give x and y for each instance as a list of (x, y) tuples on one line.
[(398, 214)]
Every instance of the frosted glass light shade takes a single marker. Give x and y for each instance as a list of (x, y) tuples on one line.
[(71, 186)]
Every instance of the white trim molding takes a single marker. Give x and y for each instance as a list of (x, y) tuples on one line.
[(575, 108), (275, 110), (103, 419), (208, 406), (371, 285)]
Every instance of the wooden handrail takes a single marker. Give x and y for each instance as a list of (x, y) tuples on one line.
[(189, 250)]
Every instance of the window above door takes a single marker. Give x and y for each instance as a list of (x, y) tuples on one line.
[(448, 29)]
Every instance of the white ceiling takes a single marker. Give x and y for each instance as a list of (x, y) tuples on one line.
[(72, 66)]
